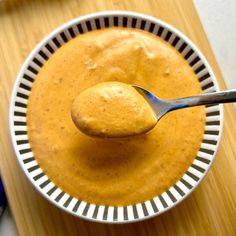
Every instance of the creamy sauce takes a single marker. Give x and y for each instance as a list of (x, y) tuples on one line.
[(113, 171), (99, 111)]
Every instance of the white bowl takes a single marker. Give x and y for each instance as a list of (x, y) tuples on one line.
[(110, 214)]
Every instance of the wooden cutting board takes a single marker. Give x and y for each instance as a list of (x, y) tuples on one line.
[(210, 210)]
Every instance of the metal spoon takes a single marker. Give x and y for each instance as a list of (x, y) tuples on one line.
[(161, 107)]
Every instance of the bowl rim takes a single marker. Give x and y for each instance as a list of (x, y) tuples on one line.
[(66, 26)]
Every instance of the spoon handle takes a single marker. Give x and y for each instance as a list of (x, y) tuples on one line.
[(204, 99)]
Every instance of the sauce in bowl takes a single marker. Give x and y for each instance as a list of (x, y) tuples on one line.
[(119, 171)]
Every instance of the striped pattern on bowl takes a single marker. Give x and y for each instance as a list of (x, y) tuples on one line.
[(18, 119)]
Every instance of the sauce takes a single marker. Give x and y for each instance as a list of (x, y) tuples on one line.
[(120, 171), (99, 111)]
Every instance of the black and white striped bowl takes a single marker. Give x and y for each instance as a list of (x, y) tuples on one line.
[(18, 119)]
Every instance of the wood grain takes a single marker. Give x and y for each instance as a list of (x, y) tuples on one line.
[(210, 210)]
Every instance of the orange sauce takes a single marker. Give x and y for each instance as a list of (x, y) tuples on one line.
[(119, 171), (111, 110)]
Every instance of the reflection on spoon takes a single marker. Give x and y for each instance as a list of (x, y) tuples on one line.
[(162, 107), (112, 109)]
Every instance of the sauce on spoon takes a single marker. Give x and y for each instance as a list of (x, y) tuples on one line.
[(112, 109)]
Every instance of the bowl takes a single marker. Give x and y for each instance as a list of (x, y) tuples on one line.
[(18, 120)]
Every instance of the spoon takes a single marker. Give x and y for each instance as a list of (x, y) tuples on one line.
[(162, 107)]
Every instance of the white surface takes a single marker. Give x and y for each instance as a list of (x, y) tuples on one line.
[(7, 225), (219, 21)]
